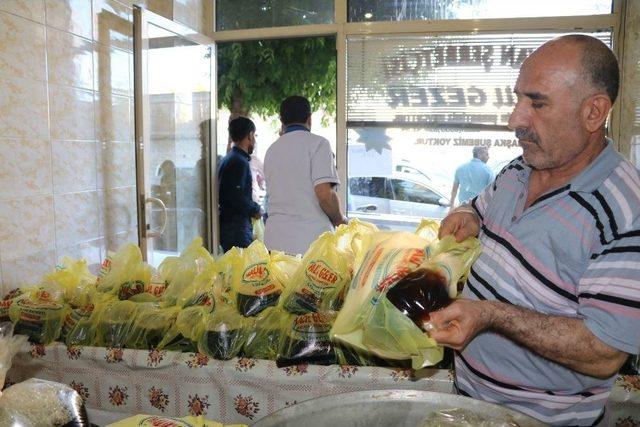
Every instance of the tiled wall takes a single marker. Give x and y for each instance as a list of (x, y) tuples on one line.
[(67, 159)]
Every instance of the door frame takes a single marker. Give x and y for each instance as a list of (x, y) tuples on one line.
[(142, 18)]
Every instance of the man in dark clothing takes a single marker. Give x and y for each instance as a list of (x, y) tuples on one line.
[(234, 187)]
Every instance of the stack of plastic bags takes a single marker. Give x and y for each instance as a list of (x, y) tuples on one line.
[(348, 300)]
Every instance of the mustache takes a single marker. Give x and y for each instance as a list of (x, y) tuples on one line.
[(527, 135)]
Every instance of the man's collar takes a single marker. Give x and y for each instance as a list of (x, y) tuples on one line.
[(597, 171), (241, 151), (592, 176), (295, 127)]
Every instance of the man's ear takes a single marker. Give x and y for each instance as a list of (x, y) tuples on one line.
[(595, 111)]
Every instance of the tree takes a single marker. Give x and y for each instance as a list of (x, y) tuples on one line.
[(255, 76)]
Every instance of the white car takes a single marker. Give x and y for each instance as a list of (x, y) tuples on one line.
[(394, 202)]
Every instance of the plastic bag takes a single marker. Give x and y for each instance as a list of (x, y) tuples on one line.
[(466, 418), (80, 325), (324, 272), (40, 403), (428, 229), (306, 340), (37, 314), (201, 290), (254, 282), (161, 420), (181, 272), (371, 320), (368, 321), (224, 333), (150, 326), (115, 322), (258, 229), (263, 338), (7, 302), (76, 279), (124, 273), (433, 285), (188, 327), (9, 345)]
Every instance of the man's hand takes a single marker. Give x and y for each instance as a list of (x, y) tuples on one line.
[(564, 340), (461, 223), (330, 203), (457, 324)]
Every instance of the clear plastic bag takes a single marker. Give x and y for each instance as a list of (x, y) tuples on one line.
[(40, 403), (9, 345), (459, 417)]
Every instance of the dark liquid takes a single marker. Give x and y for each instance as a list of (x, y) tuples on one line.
[(419, 293)]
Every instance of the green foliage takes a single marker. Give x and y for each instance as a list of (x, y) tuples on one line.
[(255, 76)]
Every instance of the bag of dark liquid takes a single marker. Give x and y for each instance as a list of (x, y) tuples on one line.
[(384, 314)]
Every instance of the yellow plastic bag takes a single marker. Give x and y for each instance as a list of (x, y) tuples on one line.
[(323, 274), (76, 279), (115, 323), (81, 324), (306, 339), (428, 229), (124, 273), (150, 326), (160, 420), (258, 229), (181, 272), (254, 282), (188, 327), (263, 338), (37, 314), (201, 289), (371, 319), (390, 256), (7, 302), (224, 289), (224, 333)]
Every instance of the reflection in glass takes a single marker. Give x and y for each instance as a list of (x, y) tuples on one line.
[(243, 14), (179, 96), (406, 10), (416, 107)]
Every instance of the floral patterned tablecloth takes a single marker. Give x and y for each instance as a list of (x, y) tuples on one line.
[(117, 383)]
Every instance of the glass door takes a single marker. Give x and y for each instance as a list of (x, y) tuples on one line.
[(174, 94)]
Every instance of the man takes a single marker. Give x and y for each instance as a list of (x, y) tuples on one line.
[(234, 187), (472, 177), (552, 306), (301, 175)]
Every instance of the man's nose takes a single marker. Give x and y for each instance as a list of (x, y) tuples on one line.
[(519, 117)]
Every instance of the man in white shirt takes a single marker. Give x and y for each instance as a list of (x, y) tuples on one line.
[(301, 199)]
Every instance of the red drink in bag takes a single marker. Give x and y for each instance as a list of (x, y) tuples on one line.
[(419, 293)]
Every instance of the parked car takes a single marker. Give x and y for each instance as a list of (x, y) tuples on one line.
[(394, 202)]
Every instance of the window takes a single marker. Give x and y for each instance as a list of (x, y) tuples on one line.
[(417, 105), (402, 10), (413, 192), (244, 14), (370, 187)]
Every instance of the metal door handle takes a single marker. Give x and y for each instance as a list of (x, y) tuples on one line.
[(158, 232)]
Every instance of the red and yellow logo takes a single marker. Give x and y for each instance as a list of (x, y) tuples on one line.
[(320, 273), (256, 273)]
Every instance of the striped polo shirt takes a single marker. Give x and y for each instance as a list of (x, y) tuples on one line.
[(575, 252)]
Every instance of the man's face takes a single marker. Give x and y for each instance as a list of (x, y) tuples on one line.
[(484, 155), (252, 142), (547, 118)]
